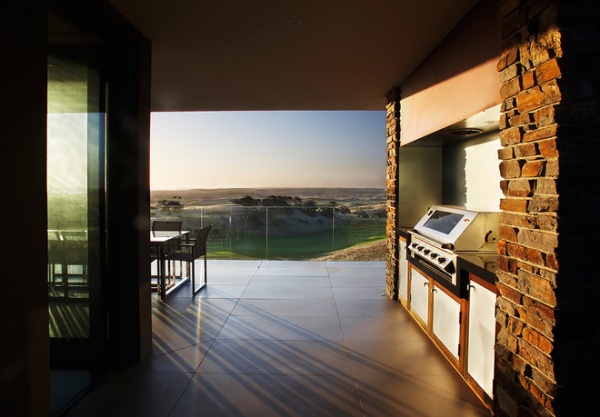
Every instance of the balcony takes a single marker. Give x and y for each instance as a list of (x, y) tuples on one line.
[(286, 338)]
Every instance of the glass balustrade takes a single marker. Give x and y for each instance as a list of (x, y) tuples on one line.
[(276, 232)]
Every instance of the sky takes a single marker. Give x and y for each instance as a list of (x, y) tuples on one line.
[(267, 149)]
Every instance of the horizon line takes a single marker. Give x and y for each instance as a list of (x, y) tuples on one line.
[(262, 187)]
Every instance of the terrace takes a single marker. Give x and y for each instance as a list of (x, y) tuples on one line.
[(293, 338)]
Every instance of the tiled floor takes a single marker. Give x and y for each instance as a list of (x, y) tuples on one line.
[(269, 338)]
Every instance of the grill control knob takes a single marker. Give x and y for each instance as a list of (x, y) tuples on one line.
[(434, 255), (420, 248), (414, 245), (426, 251), (441, 259)]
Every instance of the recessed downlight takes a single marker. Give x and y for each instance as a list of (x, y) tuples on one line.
[(464, 132)]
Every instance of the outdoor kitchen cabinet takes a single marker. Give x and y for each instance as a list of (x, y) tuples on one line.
[(402, 271), (480, 324), (481, 335), (419, 288), (438, 312), (446, 320), (462, 326)]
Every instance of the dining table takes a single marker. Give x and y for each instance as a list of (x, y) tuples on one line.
[(161, 243)]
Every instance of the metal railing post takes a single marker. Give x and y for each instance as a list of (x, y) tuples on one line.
[(267, 232)]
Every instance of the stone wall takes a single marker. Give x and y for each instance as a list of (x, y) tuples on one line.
[(547, 336), (391, 181)]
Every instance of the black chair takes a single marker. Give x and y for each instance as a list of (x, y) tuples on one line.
[(166, 226), (189, 252)]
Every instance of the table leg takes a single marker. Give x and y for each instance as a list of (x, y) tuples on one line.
[(161, 275)]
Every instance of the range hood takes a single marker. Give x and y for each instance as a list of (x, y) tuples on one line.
[(480, 124)]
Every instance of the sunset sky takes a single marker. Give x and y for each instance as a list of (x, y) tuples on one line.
[(268, 149)]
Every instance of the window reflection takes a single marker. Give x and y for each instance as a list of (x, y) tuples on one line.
[(68, 208)]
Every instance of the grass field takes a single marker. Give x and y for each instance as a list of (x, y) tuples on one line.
[(302, 246)]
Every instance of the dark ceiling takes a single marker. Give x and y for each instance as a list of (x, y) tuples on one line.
[(211, 55)]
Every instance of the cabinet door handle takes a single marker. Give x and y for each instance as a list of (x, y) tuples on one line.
[(434, 290), (472, 287), (425, 284)]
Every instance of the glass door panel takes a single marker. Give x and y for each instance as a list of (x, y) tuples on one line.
[(75, 175)]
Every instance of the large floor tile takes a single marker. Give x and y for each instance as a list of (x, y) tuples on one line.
[(277, 358), (377, 328), (357, 281), (287, 292), (408, 357), (222, 291), (282, 328), (219, 395), (126, 394), (287, 281), (173, 331), (228, 278), (365, 272), (286, 308), (298, 265), (396, 394), (186, 359), (359, 293), (354, 264), (296, 272), (162, 345), (380, 307), (196, 308)]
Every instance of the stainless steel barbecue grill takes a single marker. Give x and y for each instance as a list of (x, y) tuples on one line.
[(444, 233)]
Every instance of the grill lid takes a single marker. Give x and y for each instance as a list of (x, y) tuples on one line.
[(460, 229)]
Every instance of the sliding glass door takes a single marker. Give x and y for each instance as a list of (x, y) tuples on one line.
[(78, 317)]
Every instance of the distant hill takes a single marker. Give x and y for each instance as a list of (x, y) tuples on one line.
[(350, 197)]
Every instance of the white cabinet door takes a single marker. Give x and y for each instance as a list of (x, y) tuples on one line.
[(446, 320), (482, 336), (419, 294), (403, 272)]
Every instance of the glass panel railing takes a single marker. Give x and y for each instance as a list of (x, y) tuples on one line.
[(285, 233)]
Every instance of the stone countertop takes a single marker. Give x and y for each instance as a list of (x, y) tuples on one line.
[(483, 265), (404, 231)]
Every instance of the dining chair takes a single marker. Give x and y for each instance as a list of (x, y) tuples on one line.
[(189, 252), (166, 226)]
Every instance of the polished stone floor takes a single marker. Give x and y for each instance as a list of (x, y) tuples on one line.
[(271, 338)]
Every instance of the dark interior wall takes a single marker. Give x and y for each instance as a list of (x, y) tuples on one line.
[(127, 174), (24, 347), (128, 196), (24, 368), (577, 334)]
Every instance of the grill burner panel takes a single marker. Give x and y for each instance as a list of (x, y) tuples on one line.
[(436, 256)]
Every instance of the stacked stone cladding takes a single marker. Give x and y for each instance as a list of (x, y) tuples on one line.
[(549, 133), (392, 237), (529, 72)]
